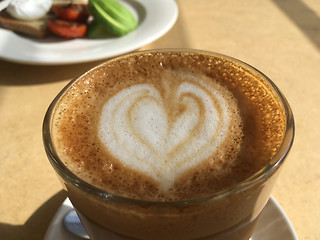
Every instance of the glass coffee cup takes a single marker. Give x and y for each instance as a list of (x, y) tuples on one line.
[(202, 210)]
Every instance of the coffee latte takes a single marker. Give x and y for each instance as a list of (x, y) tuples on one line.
[(169, 144), (167, 125)]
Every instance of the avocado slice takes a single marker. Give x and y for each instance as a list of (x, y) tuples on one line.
[(113, 16)]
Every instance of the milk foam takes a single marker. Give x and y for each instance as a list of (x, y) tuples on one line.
[(164, 131)]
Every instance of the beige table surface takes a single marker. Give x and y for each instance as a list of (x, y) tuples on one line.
[(279, 37)]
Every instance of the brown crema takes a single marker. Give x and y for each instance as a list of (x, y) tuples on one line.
[(255, 129)]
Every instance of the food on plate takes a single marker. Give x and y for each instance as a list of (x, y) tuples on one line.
[(67, 29), (71, 12), (68, 18), (35, 28), (29, 9), (112, 16), (27, 16)]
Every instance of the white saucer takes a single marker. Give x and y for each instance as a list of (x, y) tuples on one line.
[(273, 224), (155, 19)]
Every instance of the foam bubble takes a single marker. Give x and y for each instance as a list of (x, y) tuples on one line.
[(163, 130)]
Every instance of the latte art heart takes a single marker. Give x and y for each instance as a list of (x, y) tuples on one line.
[(165, 131)]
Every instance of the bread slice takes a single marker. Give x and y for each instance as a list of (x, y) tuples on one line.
[(36, 28)]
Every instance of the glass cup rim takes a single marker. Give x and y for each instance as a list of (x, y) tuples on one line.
[(263, 173)]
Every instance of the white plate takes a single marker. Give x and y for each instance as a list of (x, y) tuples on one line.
[(155, 19), (273, 224)]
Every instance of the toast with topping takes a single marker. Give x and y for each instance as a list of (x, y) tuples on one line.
[(35, 28)]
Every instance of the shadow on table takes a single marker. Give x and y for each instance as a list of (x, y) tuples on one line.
[(23, 74), (303, 17), (36, 226)]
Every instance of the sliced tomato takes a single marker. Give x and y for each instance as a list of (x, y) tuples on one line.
[(71, 12), (67, 29)]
